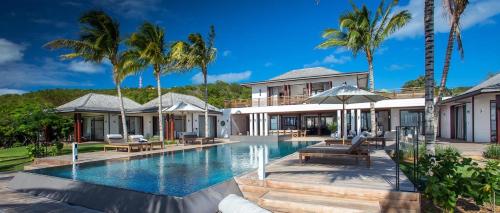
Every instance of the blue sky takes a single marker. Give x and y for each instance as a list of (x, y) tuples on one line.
[(256, 40)]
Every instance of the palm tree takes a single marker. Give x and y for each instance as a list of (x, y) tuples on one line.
[(429, 76), (196, 53), (454, 10), (148, 48), (99, 40), (359, 31)]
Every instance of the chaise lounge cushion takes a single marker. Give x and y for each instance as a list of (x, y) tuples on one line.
[(356, 143)]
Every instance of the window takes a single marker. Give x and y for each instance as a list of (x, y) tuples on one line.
[(289, 122), (493, 121), (412, 118), (274, 122)]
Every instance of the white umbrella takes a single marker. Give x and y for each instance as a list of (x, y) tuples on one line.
[(345, 94), (183, 107)]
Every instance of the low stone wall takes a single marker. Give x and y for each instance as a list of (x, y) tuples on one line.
[(111, 199)]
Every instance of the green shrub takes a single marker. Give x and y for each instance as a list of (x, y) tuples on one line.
[(492, 152), (443, 178), (33, 152), (484, 183), (59, 145), (443, 149)]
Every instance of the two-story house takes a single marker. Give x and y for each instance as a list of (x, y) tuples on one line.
[(278, 104)]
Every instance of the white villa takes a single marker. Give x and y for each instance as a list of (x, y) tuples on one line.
[(97, 115), (278, 104)]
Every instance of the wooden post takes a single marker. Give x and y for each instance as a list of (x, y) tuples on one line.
[(165, 136), (172, 127)]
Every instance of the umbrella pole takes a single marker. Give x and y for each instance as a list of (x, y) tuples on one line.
[(343, 126)]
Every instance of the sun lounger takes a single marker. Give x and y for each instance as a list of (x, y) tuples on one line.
[(188, 137), (116, 142), (295, 133), (355, 150)]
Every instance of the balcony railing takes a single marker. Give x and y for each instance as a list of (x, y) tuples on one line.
[(294, 100)]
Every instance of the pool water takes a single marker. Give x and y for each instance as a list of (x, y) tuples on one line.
[(176, 173)]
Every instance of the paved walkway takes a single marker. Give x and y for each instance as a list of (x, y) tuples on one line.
[(12, 201)]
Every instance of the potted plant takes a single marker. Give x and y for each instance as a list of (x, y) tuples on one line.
[(333, 129)]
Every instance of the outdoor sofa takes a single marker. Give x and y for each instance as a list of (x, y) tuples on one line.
[(116, 142), (355, 150)]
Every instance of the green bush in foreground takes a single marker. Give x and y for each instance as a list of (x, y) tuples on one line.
[(492, 152), (448, 176)]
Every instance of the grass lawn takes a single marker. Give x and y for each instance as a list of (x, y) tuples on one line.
[(14, 159)]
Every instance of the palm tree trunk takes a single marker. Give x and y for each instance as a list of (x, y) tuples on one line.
[(444, 76), (160, 114), (122, 110), (429, 76), (204, 70), (372, 89)]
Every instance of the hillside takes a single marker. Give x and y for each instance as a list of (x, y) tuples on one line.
[(218, 92)]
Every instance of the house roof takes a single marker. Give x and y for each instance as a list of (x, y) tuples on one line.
[(305, 73), (171, 98), (490, 85), (97, 103)]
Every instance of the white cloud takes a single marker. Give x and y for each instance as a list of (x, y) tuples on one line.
[(48, 73), (329, 59), (10, 51), (477, 13), (5, 91), (84, 67), (226, 77), (226, 53), (268, 64), (398, 67)]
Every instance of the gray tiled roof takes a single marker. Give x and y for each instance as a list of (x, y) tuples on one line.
[(490, 85), (98, 102), (306, 72), (172, 98)]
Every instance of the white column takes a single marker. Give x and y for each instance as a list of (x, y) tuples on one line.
[(255, 124), (344, 124), (339, 123), (358, 121), (266, 124), (261, 124), (251, 124), (353, 120)]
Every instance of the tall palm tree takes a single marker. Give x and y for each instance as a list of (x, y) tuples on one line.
[(429, 76), (196, 53), (454, 10), (99, 40), (149, 48), (363, 31)]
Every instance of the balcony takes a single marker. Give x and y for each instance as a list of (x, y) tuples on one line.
[(402, 93)]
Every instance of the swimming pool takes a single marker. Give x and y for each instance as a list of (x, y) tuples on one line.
[(177, 173)]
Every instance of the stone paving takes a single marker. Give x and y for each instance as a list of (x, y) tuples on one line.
[(14, 202)]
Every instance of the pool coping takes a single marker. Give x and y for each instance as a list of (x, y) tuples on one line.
[(113, 199)]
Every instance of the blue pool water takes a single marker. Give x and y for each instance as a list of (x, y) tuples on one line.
[(177, 173)]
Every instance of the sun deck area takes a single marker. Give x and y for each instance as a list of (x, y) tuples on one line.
[(330, 185)]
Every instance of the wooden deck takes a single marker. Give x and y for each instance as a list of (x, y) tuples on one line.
[(331, 185)]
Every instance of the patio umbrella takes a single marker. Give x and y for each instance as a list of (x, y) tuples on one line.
[(183, 107), (344, 94)]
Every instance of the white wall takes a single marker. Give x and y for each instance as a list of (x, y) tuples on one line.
[(482, 117), (114, 125), (259, 95), (148, 125), (445, 121), (468, 119)]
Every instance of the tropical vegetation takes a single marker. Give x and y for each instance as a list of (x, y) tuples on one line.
[(492, 152), (429, 131), (196, 52), (362, 30), (148, 48), (99, 41)]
